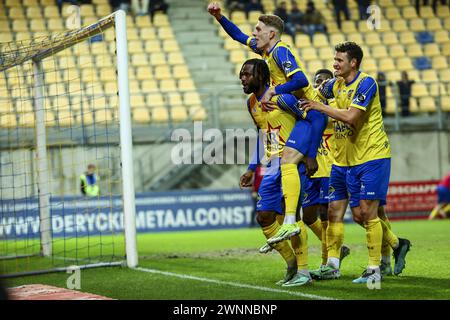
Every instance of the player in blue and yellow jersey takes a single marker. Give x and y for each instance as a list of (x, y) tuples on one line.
[(360, 172), (287, 76), (276, 126)]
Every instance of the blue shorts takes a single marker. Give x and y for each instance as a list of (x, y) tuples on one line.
[(369, 181), (270, 194), (300, 137), (314, 191), (443, 194)]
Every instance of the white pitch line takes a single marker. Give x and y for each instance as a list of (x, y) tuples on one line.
[(234, 284)]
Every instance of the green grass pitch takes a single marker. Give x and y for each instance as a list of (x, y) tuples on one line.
[(229, 259)]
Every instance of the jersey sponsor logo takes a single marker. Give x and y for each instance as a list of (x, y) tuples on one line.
[(291, 141), (361, 98), (349, 94)]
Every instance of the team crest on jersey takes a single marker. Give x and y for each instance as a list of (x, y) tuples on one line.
[(287, 65), (361, 98), (349, 94)]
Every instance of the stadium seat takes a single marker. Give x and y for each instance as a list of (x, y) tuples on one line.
[(372, 38), (392, 13), (429, 75), (390, 106), (174, 99), (386, 64), (51, 11), (433, 24), (437, 89), (8, 120), (157, 59), (180, 71), (307, 54), (393, 76), (314, 65), (320, 40), (230, 44), (426, 12), (135, 46), (238, 17), (143, 22), (137, 101), (369, 65), (186, 85), (149, 85), (132, 34), (414, 50), (178, 113), (110, 87), (439, 63), (171, 45), (191, 98), (445, 103), (422, 63), (107, 73), (139, 59), (4, 28), (404, 64), (20, 25), (38, 25), (34, 13), (409, 12), (389, 38), (197, 113), (397, 51), (237, 56), (326, 53), (168, 85), (163, 72), (416, 25), (441, 36), (254, 15), (349, 26), (153, 45), (302, 41), (27, 119), (399, 25), (102, 10), (148, 33), (155, 100), (443, 12), (419, 90), (427, 104), (413, 105), (355, 37), (336, 38), (407, 37), (145, 73), (176, 58), (160, 114), (379, 51), (31, 3), (55, 24), (141, 115), (165, 33)]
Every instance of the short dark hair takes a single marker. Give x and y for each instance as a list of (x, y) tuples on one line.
[(353, 51), (325, 71), (260, 70), (272, 21)]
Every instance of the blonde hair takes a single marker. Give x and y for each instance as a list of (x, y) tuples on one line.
[(272, 20)]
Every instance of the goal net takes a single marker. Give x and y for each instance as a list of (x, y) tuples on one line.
[(66, 175)]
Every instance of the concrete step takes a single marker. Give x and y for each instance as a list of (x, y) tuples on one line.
[(204, 49)]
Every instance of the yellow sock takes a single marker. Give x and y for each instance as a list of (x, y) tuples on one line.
[(290, 181), (374, 237), (385, 246), (282, 247), (388, 236), (335, 238), (316, 227), (434, 212), (300, 245), (324, 242)]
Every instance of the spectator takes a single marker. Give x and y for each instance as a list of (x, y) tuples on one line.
[(381, 79), (341, 5), (281, 11), (404, 88), (89, 182), (425, 3), (313, 20), (253, 5), (140, 7), (120, 4), (443, 207), (157, 5), (362, 7), (295, 20)]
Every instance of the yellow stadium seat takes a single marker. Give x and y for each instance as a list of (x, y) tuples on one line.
[(174, 99), (446, 49), (163, 72), (89, 75), (31, 3), (390, 106), (186, 85), (230, 44), (143, 21), (432, 50), (20, 26), (238, 56), (55, 89), (246, 28), (197, 113), (171, 45), (4, 28), (349, 26), (176, 58), (426, 12), (34, 12), (191, 98), (38, 25), (417, 25), (135, 46), (155, 100), (102, 10), (379, 51), (148, 33), (87, 10), (439, 63), (132, 34), (409, 12), (427, 104), (433, 24), (326, 53), (55, 24), (137, 100), (160, 114), (165, 33), (149, 85), (437, 89), (407, 37), (139, 59), (178, 113), (308, 54), (320, 40), (16, 13), (160, 20), (443, 11), (302, 41), (392, 13), (386, 64), (369, 65), (429, 75), (288, 40), (413, 105), (254, 15), (141, 115), (419, 90), (157, 59), (238, 17), (404, 64), (135, 88), (152, 46), (393, 76), (314, 65), (441, 36), (332, 26), (355, 37), (144, 73), (336, 38), (399, 25), (111, 88), (180, 72), (27, 120), (397, 51), (51, 11), (414, 50), (8, 120), (168, 85), (389, 38), (107, 74), (372, 38)]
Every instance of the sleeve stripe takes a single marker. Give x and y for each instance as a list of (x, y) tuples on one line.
[(292, 72)]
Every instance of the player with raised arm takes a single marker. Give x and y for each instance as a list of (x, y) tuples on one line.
[(287, 76), (361, 169)]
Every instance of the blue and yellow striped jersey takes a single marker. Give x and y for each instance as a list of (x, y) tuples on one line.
[(369, 140)]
